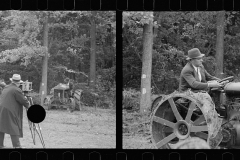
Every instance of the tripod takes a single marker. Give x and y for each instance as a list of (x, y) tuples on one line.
[(34, 127)]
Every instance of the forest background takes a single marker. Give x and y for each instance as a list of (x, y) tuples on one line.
[(174, 33), (155, 46), (68, 42)]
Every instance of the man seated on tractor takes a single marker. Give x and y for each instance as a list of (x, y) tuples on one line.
[(194, 75), (70, 84), (195, 78)]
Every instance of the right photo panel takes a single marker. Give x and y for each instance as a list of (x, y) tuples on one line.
[(181, 80)]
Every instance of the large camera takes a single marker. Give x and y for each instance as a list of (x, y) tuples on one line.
[(26, 86)]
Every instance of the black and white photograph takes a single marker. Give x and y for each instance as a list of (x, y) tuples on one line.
[(181, 80), (64, 62)]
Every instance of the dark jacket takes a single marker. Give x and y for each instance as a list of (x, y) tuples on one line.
[(189, 78), (12, 101)]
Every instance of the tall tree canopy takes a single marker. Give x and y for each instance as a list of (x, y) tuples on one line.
[(22, 48), (174, 34)]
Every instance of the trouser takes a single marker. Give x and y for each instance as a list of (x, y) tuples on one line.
[(15, 140)]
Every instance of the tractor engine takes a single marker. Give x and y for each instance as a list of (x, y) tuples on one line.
[(230, 100)]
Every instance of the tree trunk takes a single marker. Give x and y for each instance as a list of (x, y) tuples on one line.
[(220, 43), (145, 101), (92, 77), (43, 87)]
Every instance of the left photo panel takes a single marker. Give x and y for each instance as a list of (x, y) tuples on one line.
[(57, 79)]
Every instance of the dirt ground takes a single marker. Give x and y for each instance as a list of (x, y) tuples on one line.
[(136, 142), (89, 128), (136, 131)]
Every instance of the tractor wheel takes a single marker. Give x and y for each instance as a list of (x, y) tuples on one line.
[(71, 104), (77, 105), (54, 104), (177, 118), (155, 102)]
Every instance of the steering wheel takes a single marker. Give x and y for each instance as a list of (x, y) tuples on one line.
[(222, 80), (226, 79)]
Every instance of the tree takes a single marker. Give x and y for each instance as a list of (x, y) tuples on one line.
[(139, 24), (92, 77), (220, 43), (145, 101), (24, 46), (177, 33), (43, 90)]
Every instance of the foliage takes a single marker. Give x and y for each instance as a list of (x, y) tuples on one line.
[(174, 34), (107, 79), (23, 54), (36, 97), (88, 98), (137, 18), (98, 97), (22, 50), (131, 100), (21, 31), (106, 88)]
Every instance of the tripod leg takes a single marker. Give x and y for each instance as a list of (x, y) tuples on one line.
[(31, 127), (40, 136), (34, 133), (35, 129), (31, 130)]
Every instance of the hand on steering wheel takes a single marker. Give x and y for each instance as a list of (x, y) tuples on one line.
[(214, 84), (223, 82), (227, 79)]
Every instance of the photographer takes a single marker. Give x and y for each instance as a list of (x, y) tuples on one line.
[(12, 101)]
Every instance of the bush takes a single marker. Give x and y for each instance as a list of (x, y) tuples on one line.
[(89, 98), (108, 99), (102, 97), (36, 97), (106, 88), (131, 99), (106, 79)]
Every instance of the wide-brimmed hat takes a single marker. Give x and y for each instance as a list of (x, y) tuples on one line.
[(16, 77), (194, 53)]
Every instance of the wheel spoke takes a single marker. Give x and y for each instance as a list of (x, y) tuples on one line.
[(190, 111), (199, 128), (199, 120), (174, 108), (163, 121), (165, 140)]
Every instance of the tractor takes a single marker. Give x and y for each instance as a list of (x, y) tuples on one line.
[(60, 98), (178, 116)]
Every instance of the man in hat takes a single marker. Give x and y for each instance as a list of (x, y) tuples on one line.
[(70, 92), (12, 101), (194, 76), (195, 79)]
